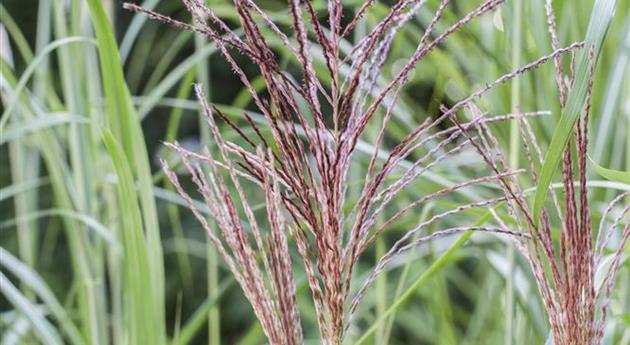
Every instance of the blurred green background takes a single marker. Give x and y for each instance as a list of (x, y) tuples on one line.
[(64, 276)]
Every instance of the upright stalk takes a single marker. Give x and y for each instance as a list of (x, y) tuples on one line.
[(517, 11), (71, 72)]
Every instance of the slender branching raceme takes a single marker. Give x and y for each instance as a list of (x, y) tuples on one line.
[(576, 272), (566, 272), (302, 153)]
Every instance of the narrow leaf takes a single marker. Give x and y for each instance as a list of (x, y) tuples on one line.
[(601, 18), (611, 174)]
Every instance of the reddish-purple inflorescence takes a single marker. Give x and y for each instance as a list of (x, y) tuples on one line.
[(300, 157)]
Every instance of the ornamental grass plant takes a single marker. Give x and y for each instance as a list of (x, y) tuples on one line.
[(315, 172)]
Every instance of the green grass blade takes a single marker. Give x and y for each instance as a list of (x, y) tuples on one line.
[(134, 29), (196, 322), (29, 277), (91, 223), (18, 130), (145, 327), (403, 278), (601, 17), (613, 96), (611, 174), (30, 69), (434, 268), (175, 75), (15, 189), (17, 35), (160, 69), (43, 329), (53, 157), (125, 126), (514, 154)]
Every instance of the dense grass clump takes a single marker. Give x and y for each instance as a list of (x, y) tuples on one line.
[(350, 172)]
